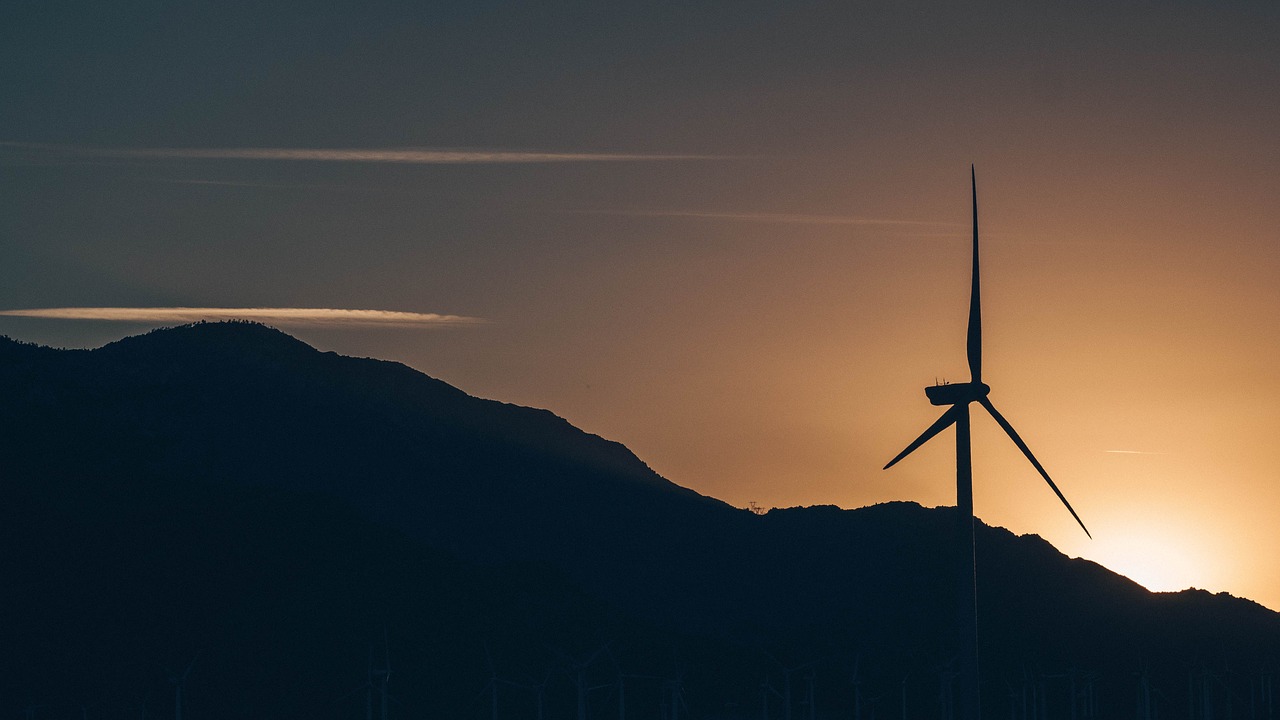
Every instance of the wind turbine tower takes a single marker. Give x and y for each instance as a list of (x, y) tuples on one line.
[(958, 396)]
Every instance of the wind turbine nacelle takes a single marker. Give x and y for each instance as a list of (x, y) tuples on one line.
[(957, 393)]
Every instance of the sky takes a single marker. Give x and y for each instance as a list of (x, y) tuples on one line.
[(730, 235)]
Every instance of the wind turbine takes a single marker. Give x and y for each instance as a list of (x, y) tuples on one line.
[(904, 695), (179, 683), (857, 689), (785, 695), (382, 675), (539, 690), (142, 709), (809, 699), (959, 396), (376, 680), (578, 676), (491, 688), (675, 686), (622, 682)]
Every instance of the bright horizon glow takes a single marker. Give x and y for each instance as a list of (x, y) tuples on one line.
[(1157, 559), (283, 316)]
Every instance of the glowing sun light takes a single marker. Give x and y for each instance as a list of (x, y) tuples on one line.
[(1158, 560)]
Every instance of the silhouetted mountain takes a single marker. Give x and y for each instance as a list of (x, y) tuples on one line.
[(225, 489)]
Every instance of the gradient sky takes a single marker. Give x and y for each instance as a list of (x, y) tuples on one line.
[(731, 235)]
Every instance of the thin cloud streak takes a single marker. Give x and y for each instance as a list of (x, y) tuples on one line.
[(239, 184), (770, 217), (401, 156), (251, 185), (282, 316), (1133, 452)]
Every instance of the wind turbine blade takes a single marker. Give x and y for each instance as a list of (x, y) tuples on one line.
[(944, 422), (974, 345), (1013, 435)]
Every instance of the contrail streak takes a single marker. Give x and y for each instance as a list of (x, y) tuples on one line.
[(283, 316), (403, 156)]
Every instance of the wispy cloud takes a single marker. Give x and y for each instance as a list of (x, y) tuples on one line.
[(281, 316), (245, 184), (769, 217), (409, 156), (1133, 452)]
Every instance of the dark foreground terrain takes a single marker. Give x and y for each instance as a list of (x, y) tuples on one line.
[(224, 503)]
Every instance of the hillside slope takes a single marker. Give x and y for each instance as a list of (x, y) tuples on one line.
[(176, 430)]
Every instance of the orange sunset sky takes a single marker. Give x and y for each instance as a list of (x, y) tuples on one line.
[(732, 236)]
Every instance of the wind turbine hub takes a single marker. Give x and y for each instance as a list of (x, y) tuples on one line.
[(957, 393)]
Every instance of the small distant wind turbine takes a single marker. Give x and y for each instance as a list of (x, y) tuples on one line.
[(491, 688), (539, 690), (959, 396), (904, 695), (179, 683), (857, 689), (785, 695), (809, 699), (578, 675), (142, 709), (381, 677), (622, 682), (376, 680), (675, 690)]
